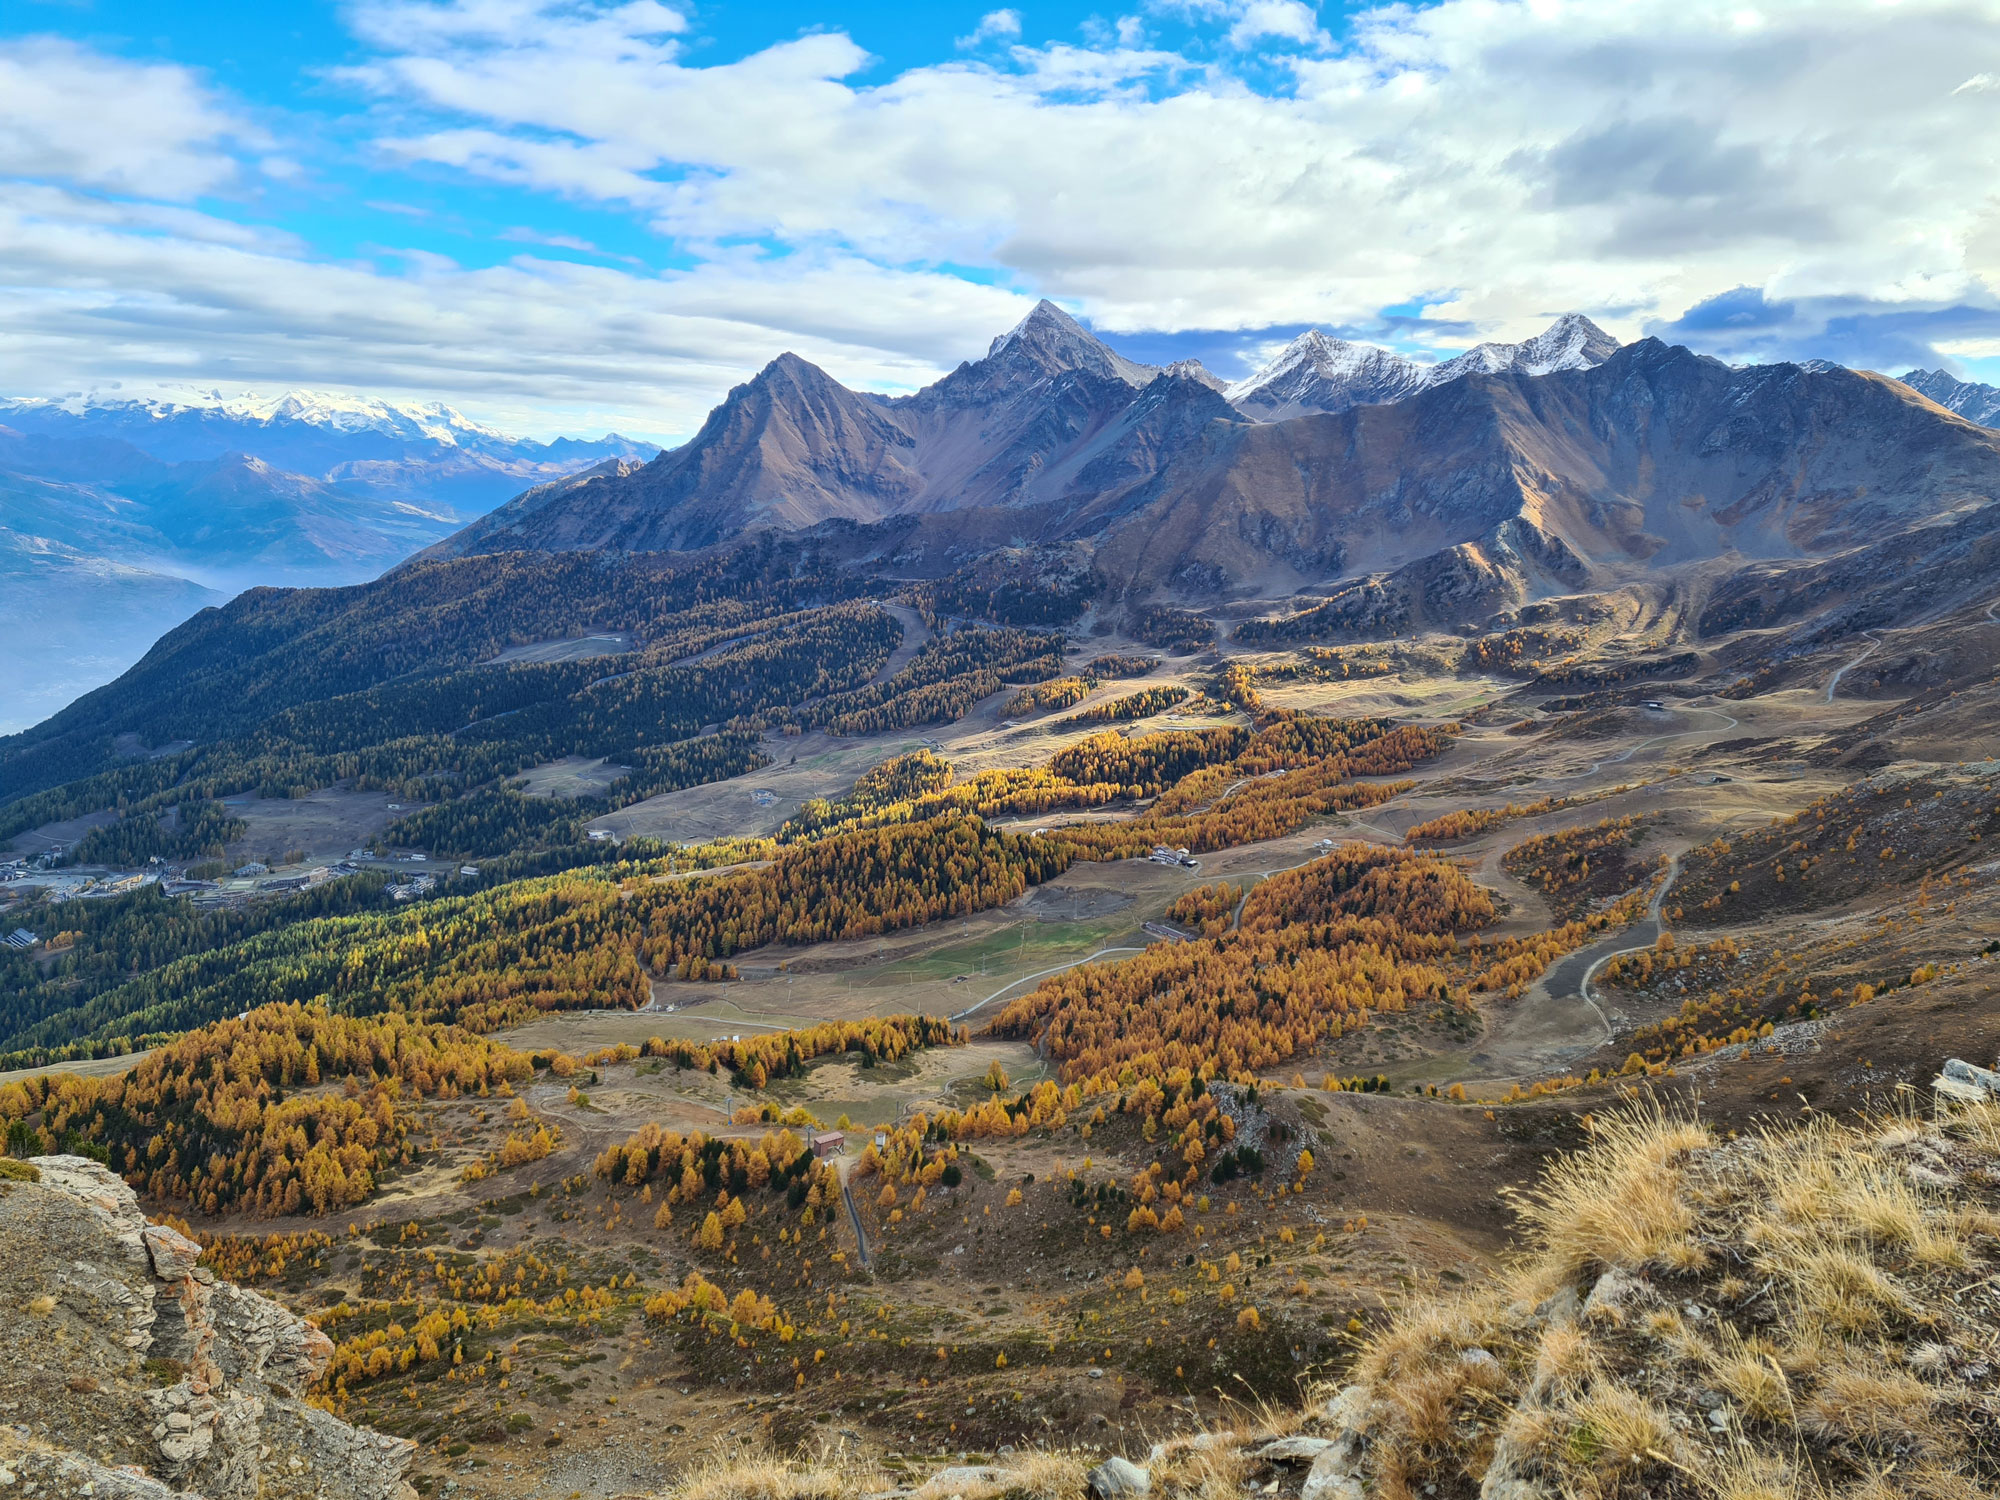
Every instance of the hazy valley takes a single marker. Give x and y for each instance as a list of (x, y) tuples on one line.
[(121, 518)]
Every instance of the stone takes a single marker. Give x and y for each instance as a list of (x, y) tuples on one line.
[(1332, 1477), (1510, 1474), (1296, 1449), (965, 1476), (174, 1255), (1336, 1469), (1616, 1291), (1561, 1308), (1117, 1477), (1195, 1442)]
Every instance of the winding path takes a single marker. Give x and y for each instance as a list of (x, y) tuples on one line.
[(1874, 645), (1728, 722), (1236, 921), (1038, 974), (1652, 923), (1545, 1033)]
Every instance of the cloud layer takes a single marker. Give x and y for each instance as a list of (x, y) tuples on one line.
[(1761, 181)]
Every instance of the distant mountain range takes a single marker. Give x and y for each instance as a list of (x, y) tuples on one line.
[(1423, 494), (1974, 402), (1319, 373), (356, 444), (120, 518)]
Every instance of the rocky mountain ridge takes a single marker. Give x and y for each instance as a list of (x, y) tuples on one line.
[(129, 1372), (1539, 468)]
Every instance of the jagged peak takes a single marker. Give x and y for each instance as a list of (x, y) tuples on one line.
[(1044, 315), (1195, 370), (1572, 342), (794, 368), (1316, 353), (1052, 339)]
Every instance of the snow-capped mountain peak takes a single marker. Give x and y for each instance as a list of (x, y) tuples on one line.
[(1052, 339), (306, 431), (1975, 402), (1319, 373), (1199, 373), (331, 411), (1572, 342)]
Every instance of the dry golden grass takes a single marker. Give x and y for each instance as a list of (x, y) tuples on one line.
[(1616, 1433), (1037, 1474), (1781, 1272), (1565, 1356), (1215, 1472), (1748, 1370), (1749, 1474), (1825, 1285), (1617, 1202), (1868, 1403), (726, 1477)]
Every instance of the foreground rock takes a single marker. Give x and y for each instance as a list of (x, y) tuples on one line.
[(127, 1370)]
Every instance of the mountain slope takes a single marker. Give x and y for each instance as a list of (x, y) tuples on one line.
[(1498, 487), (214, 517), (91, 619), (106, 497)]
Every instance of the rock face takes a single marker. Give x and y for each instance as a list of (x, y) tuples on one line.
[(128, 1371)]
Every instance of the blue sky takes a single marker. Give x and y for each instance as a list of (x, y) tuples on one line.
[(562, 215)]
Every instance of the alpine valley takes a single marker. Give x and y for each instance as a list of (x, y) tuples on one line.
[(1431, 924)]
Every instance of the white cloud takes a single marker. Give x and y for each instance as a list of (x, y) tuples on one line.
[(71, 114), (1504, 161), (92, 293), (1495, 161), (1285, 20), (994, 26), (1979, 83)]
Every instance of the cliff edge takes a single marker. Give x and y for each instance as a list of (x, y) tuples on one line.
[(129, 1372)]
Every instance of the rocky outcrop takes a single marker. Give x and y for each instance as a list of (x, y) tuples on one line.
[(128, 1371)]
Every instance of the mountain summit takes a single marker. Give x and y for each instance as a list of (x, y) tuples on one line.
[(1319, 373), (1051, 340)]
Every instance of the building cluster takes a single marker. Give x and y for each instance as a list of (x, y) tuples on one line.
[(409, 890), (1162, 855)]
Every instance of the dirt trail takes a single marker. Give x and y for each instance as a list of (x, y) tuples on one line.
[(1039, 974), (1624, 755), (916, 635), (1833, 682), (854, 1218)]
